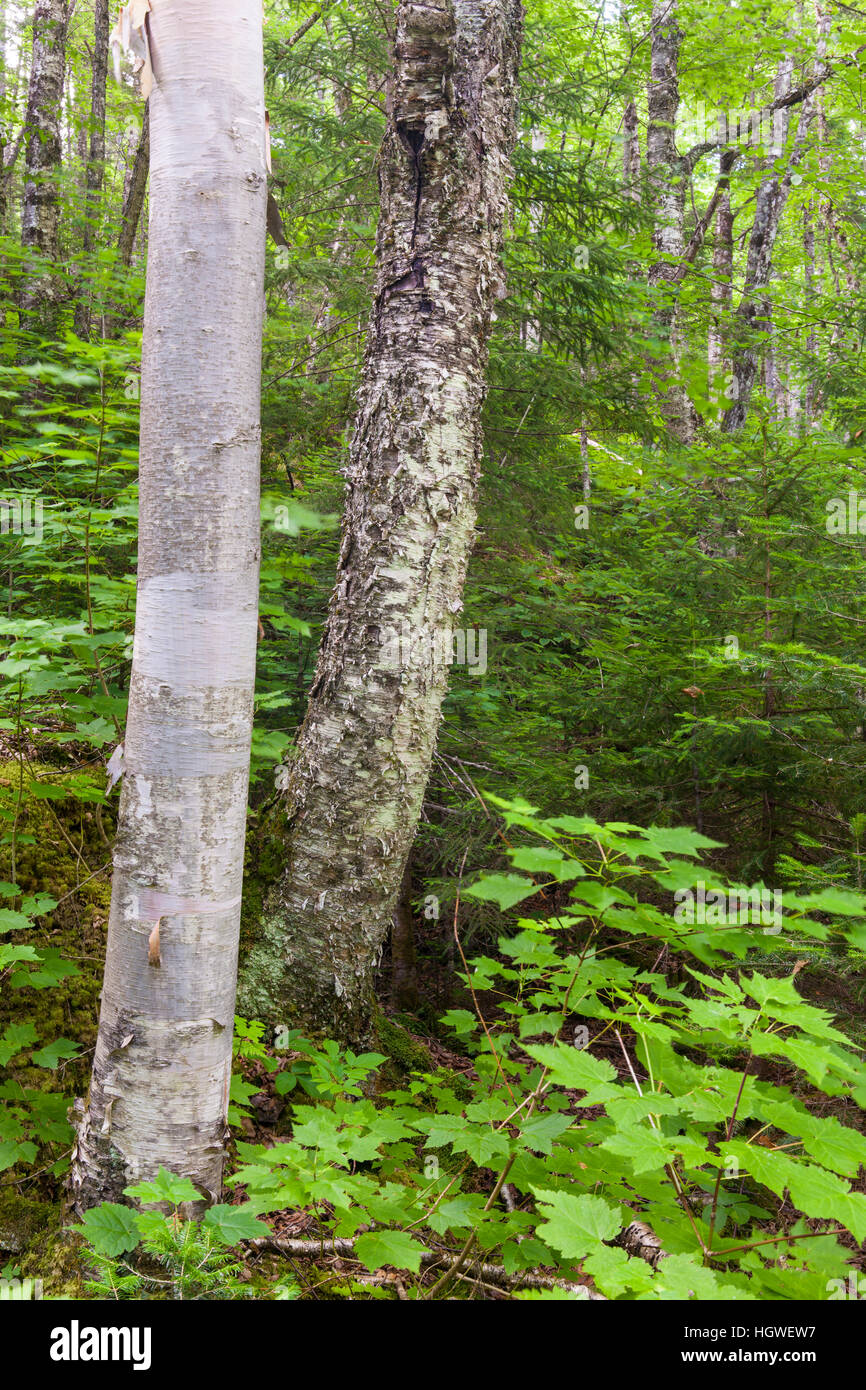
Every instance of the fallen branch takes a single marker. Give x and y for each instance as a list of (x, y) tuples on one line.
[(494, 1274)]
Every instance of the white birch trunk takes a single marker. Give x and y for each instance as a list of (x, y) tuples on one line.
[(159, 1088)]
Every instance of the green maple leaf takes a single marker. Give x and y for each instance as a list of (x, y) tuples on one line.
[(575, 1225), (377, 1248)]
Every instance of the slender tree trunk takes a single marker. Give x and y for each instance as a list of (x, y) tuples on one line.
[(808, 296), (40, 209), (3, 95), (364, 751), (10, 96), (667, 174), (532, 326), (631, 153), (160, 1082), (752, 318), (721, 291), (134, 201), (772, 378), (96, 153), (753, 313)]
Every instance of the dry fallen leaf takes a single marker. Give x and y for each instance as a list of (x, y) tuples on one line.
[(693, 690), (153, 945)]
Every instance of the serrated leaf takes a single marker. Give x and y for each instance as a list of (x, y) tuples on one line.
[(165, 1187), (377, 1248), (539, 1132), (62, 1049), (681, 1277), (14, 1151), (577, 1069), (503, 889), (575, 1225), (16, 1038), (13, 921), (644, 1147), (231, 1224), (613, 1271), (110, 1228), (541, 859)]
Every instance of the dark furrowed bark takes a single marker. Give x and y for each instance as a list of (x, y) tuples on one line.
[(96, 154), (134, 202), (365, 748), (43, 152), (667, 175)]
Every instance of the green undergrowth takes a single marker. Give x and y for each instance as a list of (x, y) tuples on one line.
[(711, 1101), (53, 920)]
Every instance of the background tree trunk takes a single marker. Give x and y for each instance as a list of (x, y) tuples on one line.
[(40, 216), (134, 200), (721, 292), (3, 95), (666, 173), (159, 1089), (364, 751), (752, 321), (631, 153), (96, 151)]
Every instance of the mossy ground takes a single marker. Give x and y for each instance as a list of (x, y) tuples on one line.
[(36, 1242), (404, 1051)]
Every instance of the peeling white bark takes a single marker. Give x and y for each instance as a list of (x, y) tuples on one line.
[(159, 1089)]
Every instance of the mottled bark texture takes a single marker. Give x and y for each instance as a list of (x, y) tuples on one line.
[(667, 175), (751, 323), (96, 152), (631, 153), (159, 1088), (40, 211), (95, 167), (363, 754)]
